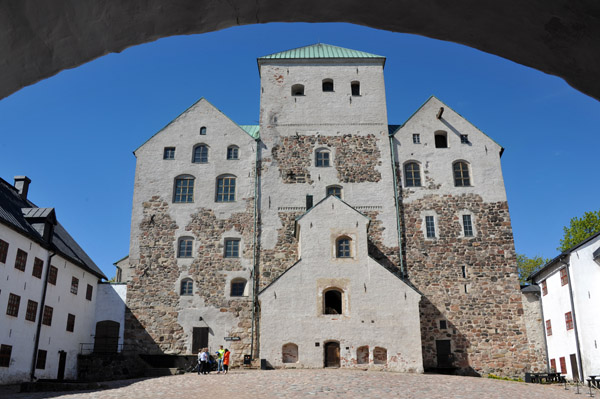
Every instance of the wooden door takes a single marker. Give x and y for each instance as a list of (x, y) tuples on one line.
[(574, 368), (199, 339), (332, 354), (444, 353), (62, 362), (106, 339)]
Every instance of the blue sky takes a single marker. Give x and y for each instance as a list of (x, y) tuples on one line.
[(73, 134)]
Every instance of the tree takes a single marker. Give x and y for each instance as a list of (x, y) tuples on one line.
[(527, 266), (579, 229)]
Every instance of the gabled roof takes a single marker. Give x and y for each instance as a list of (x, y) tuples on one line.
[(320, 51), (566, 253), (16, 213), (392, 132), (250, 130), (319, 203)]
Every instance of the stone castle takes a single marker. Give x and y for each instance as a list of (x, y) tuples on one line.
[(324, 236)]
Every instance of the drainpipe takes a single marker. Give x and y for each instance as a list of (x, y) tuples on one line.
[(40, 315), (398, 225), (254, 263), (581, 374)]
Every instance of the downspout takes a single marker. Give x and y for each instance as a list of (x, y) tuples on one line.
[(581, 374), (398, 224), (40, 315), (254, 264)]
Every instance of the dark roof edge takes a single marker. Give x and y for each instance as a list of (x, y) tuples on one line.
[(278, 277)]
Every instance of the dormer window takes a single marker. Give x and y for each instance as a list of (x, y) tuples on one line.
[(441, 139), (297, 90), (355, 87), (327, 84), (336, 191)]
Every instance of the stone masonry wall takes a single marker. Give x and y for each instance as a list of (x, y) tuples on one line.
[(356, 157), (484, 311)]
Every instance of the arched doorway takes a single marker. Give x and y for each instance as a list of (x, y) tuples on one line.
[(332, 354), (106, 339)]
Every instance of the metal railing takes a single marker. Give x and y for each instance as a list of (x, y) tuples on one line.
[(107, 349)]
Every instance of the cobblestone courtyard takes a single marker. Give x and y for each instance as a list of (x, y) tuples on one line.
[(313, 383)]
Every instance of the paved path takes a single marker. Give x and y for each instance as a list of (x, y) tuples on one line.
[(313, 384)]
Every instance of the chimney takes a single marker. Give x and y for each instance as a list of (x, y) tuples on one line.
[(22, 185)]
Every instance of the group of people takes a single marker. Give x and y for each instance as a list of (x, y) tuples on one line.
[(205, 360)]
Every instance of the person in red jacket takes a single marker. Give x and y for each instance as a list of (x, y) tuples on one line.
[(226, 360)]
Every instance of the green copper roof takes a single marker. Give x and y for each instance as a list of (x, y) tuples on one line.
[(252, 130), (320, 50)]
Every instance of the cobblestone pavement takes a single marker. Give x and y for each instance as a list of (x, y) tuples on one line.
[(313, 383)]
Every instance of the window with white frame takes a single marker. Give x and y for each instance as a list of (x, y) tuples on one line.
[(429, 226), (343, 247), (322, 158), (232, 152)]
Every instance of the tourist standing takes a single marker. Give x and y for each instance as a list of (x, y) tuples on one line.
[(220, 353), (203, 356), (226, 360)]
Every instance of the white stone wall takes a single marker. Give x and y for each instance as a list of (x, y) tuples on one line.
[(111, 305), (20, 333), (481, 153), (585, 280), (379, 309)]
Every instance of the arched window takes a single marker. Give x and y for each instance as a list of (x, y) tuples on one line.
[(184, 189), (379, 355), (336, 191), (297, 90), (355, 86), (362, 355), (327, 84), (185, 247), (289, 353), (225, 189), (332, 301), (232, 152), (322, 158), (343, 247), (238, 287), (441, 139), (187, 287), (461, 174), (203, 131), (412, 175), (200, 154)]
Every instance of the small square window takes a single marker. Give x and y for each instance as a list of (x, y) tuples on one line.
[(5, 352), (3, 251), (232, 248), (88, 292), (238, 287), (430, 226), (31, 310), (443, 325), (71, 322), (38, 266), (467, 226), (169, 153), (232, 153), (416, 138), (322, 160), (464, 139), (21, 260), (40, 362), (74, 285), (47, 317), (52, 275), (14, 301)]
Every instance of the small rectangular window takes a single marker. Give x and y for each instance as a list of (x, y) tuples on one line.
[(14, 301), (21, 260), (553, 364), (569, 320), (74, 285), (5, 352), (544, 288), (232, 153), (322, 159), (232, 248), (564, 278), (71, 322), (430, 226), (38, 266), (3, 251), (464, 139), (416, 138), (40, 362), (464, 271), (443, 325), (52, 275), (563, 366), (88, 292), (31, 310), (47, 317), (548, 328), (467, 226), (185, 248), (169, 153)]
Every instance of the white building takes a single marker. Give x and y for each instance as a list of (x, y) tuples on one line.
[(48, 291), (570, 286)]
